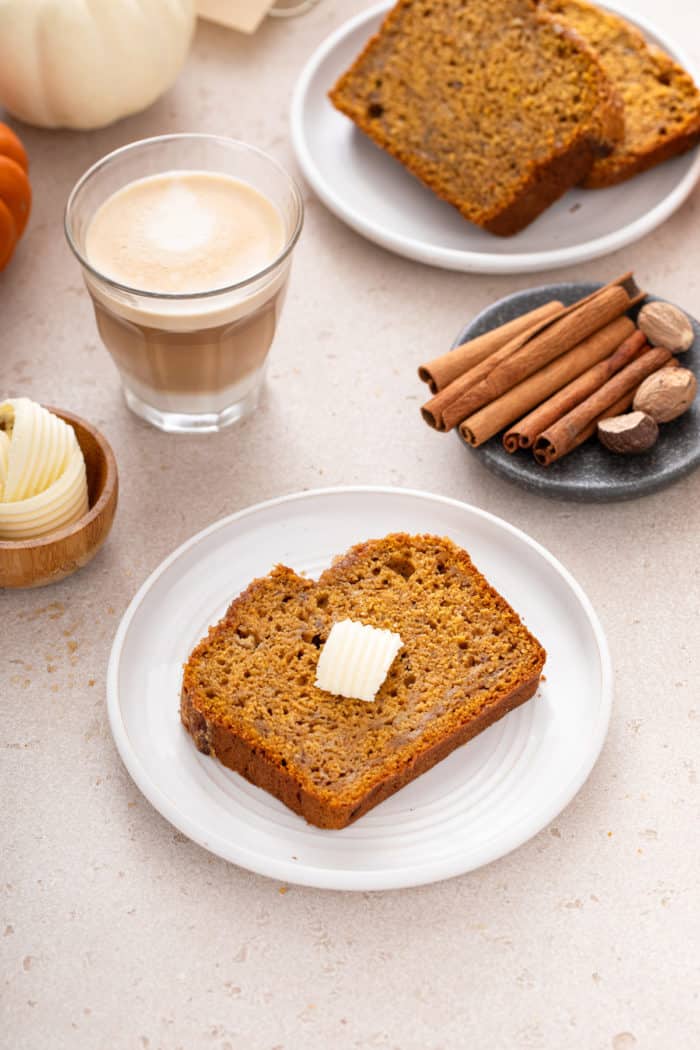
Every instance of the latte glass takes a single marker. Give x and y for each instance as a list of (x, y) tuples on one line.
[(188, 361)]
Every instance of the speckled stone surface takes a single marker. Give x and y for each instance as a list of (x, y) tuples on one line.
[(116, 932), (590, 472)]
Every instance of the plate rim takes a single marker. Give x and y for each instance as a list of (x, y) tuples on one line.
[(467, 261), (348, 878)]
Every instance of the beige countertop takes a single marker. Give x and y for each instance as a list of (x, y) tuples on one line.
[(117, 932)]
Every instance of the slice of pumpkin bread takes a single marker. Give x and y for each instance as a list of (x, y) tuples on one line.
[(248, 693), (661, 102), (490, 103)]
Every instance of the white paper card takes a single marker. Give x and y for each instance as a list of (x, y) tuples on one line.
[(244, 15)]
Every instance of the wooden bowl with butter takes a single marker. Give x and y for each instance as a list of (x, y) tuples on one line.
[(51, 557)]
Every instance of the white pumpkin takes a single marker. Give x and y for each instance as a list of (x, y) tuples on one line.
[(85, 63)]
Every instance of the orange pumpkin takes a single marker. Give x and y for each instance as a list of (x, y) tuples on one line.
[(15, 192)]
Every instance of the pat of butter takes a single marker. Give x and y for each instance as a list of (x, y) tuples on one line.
[(4, 458), (355, 660), (43, 484)]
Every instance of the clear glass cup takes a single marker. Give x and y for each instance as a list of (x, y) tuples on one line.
[(196, 361), (291, 8)]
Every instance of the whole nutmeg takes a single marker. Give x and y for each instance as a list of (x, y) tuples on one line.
[(665, 325), (628, 433), (666, 394)]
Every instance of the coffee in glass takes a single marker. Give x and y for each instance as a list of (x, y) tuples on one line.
[(187, 267)]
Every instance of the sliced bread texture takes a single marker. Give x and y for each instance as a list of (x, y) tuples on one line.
[(661, 101), (248, 693), (492, 104)]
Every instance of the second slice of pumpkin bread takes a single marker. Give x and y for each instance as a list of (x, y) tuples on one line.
[(490, 103), (661, 102), (249, 698)]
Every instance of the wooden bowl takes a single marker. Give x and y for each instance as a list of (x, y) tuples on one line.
[(50, 558)]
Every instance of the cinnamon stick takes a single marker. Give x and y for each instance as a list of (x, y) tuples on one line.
[(523, 433), (580, 423), (440, 372), (617, 409), (527, 353), (497, 414)]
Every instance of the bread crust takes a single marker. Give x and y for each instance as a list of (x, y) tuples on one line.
[(547, 184), (238, 754), (601, 176)]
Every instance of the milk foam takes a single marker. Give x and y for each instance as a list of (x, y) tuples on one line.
[(184, 231)]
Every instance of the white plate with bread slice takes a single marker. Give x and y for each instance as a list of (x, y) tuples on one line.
[(380, 199), (485, 799)]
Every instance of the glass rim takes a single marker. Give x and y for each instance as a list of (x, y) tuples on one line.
[(223, 140)]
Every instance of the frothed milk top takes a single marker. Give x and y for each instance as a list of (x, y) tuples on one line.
[(184, 231)]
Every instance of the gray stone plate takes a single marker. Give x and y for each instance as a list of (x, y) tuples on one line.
[(590, 472)]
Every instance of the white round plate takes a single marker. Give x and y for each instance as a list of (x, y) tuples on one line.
[(484, 800), (376, 196)]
